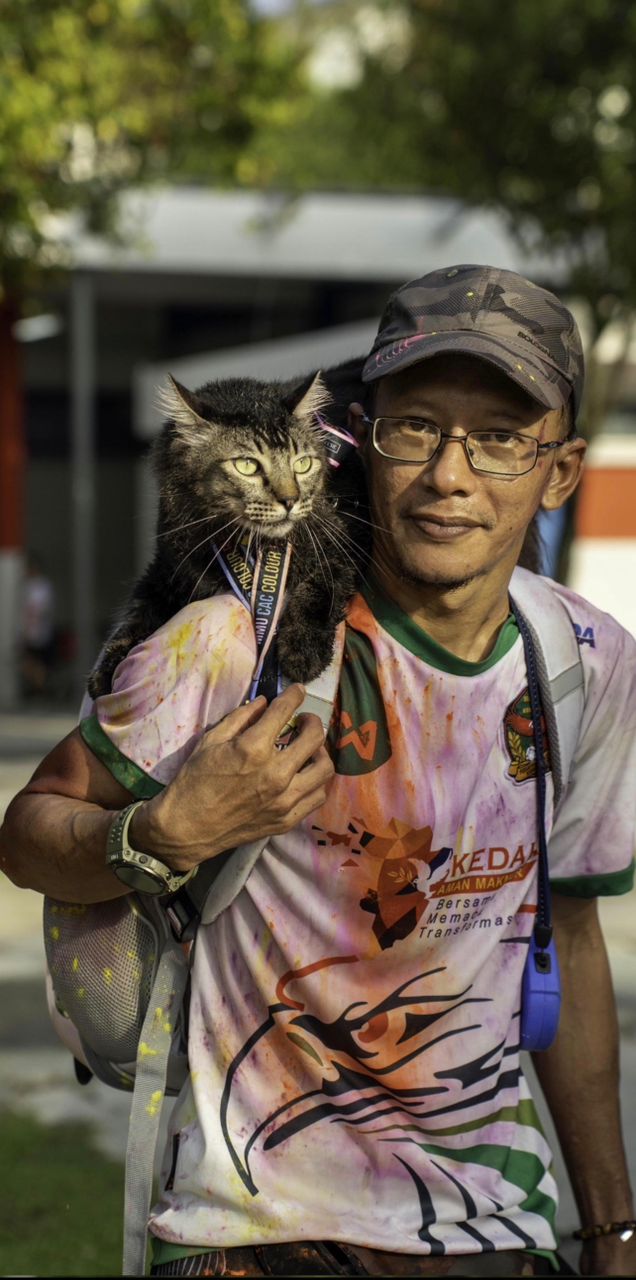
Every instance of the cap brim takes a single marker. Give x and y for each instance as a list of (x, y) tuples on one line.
[(543, 383)]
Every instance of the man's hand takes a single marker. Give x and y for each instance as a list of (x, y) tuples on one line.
[(237, 786)]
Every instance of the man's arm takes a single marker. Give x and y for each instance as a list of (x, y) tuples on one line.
[(579, 1076), (235, 787)]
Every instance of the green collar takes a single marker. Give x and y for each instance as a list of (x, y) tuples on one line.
[(412, 637)]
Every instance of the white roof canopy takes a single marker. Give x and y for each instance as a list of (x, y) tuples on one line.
[(316, 236)]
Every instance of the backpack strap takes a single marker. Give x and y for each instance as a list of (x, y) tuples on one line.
[(151, 1073), (559, 669)]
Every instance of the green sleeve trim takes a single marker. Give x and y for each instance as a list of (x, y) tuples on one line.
[(604, 886), (140, 784), (164, 1251)]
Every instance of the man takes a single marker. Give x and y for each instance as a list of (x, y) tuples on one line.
[(356, 1104)]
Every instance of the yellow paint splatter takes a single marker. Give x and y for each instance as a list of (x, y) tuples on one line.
[(145, 1050), (75, 964), (81, 991), (108, 976), (161, 1021), (55, 933), (155, 1103)]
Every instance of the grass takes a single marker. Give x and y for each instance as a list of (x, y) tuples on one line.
[(61, 1202)]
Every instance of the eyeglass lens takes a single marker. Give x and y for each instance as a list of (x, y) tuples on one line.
[(499, 452)]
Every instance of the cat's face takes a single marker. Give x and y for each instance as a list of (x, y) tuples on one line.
[(272, 488), (235, 448)]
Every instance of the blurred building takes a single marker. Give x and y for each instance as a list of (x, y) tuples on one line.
[(208, 284)]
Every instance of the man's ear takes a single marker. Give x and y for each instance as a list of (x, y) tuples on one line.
[(358, 424), (565, 475)]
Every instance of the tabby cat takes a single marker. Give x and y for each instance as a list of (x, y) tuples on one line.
[(238, 457)]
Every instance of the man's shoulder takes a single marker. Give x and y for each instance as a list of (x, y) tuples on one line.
[(217, 610), (596, 631), (202, 643)]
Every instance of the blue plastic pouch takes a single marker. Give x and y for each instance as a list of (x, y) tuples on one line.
[(540, 997)]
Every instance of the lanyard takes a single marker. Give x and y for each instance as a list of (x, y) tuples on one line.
[(339, 444), (259, 583)]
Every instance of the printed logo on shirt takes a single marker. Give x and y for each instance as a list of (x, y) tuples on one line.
[(375, 1049), (519, 738), (401, 874), (585, 635), (359, 739)]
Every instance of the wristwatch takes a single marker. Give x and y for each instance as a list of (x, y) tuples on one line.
[(140, 871)]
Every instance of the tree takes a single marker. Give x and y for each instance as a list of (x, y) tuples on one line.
[(529, 108), (98, 96)]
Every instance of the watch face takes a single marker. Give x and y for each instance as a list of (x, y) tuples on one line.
[(139, 879)]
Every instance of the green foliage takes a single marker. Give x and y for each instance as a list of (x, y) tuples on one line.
[(100, 95), (62, 1203), (528, 107)]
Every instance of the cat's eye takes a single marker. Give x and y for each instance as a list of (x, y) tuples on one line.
[(246, 466), (303, 465)]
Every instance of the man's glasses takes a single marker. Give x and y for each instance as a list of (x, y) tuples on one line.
[(495, 453)]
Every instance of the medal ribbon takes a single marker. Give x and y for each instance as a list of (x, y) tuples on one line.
[(259, 583)]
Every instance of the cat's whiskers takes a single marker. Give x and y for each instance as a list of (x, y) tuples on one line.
[(336, 527), (178, 527), (338, 538), (348, 515), (211, 562), (320, 556), (233, 521)]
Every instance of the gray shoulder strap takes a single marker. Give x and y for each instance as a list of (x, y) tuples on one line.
[(559, 668)]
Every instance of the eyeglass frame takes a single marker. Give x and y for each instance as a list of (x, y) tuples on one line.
[(446, 435)]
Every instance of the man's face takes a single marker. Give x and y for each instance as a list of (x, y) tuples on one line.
[(441, 523)]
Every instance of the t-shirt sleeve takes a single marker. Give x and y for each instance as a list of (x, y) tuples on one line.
[(591, 847), (168, 690)]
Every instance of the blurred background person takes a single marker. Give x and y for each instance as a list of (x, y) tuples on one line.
[(38, 628)]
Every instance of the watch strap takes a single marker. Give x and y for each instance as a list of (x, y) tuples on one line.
[(120, 855)]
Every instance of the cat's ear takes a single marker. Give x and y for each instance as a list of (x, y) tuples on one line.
[(181, 406), (315, 398)]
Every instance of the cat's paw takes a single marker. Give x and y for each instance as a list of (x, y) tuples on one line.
[(303, 659)]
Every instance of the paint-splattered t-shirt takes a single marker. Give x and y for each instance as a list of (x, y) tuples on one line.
[(354, 1022)]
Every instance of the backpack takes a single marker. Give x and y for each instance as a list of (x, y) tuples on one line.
[(118, 971)]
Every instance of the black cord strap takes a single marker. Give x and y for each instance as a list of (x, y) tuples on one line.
[(543, 926), (623, 1229)]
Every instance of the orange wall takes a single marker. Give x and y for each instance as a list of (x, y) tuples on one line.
[(607, 503)]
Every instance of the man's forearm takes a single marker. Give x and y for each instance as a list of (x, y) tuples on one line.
[(57, 845), (579, 1076), (235, 787)]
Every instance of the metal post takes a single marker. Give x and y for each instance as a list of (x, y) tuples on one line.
[(83, 471)]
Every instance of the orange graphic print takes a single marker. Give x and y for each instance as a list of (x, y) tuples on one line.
[(362, 740), (406, 861)]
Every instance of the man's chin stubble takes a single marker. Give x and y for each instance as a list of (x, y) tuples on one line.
[(422, 579)]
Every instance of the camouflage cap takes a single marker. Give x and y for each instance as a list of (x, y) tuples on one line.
[(486, 312)]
